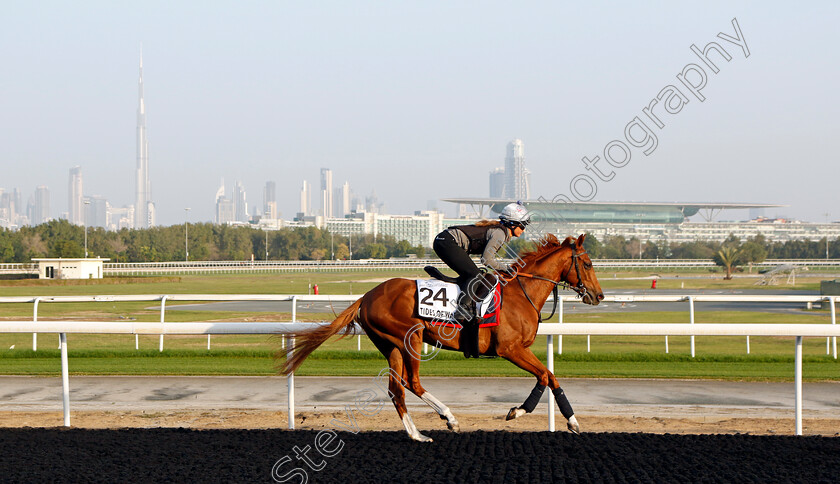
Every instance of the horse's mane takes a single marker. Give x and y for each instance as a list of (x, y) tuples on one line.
[(485, 223), (545, 244)]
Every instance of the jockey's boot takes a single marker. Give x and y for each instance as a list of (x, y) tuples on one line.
[(465, 310), (466, 317)]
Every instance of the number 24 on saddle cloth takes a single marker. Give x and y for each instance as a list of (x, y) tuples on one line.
[(436, 302)]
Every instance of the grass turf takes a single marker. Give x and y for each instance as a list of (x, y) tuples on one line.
[(611, 356)]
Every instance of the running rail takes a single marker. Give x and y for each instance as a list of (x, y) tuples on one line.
[(548, 329)]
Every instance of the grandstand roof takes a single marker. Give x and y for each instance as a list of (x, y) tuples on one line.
[(673, 212)]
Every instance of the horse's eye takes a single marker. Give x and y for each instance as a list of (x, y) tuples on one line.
[(587, 265)]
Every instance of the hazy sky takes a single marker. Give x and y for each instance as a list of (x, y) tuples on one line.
[(417, 100)]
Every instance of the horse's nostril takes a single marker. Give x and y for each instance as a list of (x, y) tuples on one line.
[(601, 296)]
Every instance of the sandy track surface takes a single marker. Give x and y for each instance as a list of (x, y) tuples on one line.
[(387, 420), (601, 405)]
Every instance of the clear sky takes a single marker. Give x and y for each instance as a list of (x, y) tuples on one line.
[(417, 100)]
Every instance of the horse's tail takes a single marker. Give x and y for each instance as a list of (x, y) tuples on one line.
[(306, 343)]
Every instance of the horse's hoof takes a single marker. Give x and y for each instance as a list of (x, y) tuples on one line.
[(573, 425), (515, 412), (421, 438), (453, 426)]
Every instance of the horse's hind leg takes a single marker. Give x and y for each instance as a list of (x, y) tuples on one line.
[(397, 392), (412, 367)]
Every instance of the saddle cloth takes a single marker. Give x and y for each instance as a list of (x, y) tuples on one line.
[(437, 300)]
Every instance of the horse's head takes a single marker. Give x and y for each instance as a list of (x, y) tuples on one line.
[(580, 274), (566, 262)]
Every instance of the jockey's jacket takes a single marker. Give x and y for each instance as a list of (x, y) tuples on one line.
[(485, 240)]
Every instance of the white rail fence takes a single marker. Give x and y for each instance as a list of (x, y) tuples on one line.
[(829, 331), (224, 267)]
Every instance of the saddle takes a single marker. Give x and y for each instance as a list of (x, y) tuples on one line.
[(437, 300)]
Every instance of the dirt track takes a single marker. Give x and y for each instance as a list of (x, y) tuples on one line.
[(182, 455), (386, 421)]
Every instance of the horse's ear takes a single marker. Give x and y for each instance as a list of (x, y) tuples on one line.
[(581, 239)]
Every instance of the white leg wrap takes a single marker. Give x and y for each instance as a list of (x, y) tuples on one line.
[(442, 410), (573, 425), (436, 404), (412, 430)]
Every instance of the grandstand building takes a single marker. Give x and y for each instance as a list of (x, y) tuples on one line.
[(651, 221)]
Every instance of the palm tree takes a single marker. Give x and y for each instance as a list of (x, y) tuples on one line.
[(727, 257)]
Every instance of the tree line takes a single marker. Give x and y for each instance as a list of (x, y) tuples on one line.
[(59, 238), (753, 249)]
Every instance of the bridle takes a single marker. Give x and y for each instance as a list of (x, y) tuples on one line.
[(579, 288)]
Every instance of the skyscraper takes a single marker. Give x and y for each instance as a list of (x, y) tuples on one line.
[(224, 210), (240, 206), (270, 200), (143, 216), (96, 212), (326, 193), (516, 187), (75, 203), (41, 213), (344, 200), (6, 209), (497, 183), (224, 206), (306, 199)]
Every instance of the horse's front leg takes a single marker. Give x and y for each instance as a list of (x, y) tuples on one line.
[(524, 358)]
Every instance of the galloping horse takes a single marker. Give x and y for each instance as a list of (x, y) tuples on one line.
[(388, 316)]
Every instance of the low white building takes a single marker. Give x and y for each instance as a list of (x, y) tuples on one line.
[(62, 268)]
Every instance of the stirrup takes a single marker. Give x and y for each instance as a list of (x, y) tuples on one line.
[(464, 317)]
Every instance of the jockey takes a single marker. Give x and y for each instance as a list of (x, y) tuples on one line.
[(455, 244)]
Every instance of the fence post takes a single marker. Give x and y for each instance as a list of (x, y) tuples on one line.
[(290, 382), (35, 319), (549, 353), (797, 379), (560, 320), (162, 318), (290, 379), (832, 300), (748, 345), (65, 378), (691, 320)]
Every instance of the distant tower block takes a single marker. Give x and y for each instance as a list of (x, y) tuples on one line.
[(516, 184), (306, 199), (76, 206), (497, 183), (143, 187), (326, 193)]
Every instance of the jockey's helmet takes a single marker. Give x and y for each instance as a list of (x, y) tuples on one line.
[(515, 214)]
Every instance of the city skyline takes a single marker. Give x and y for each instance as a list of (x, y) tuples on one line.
[(415, 105)]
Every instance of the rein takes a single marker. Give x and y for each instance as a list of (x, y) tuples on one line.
[(580, 289)]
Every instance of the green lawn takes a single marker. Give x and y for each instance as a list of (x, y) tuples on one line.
[(718, 357), (610, 356)]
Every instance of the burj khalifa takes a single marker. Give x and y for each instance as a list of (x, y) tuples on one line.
[(144, 209)]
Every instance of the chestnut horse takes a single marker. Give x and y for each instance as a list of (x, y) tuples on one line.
[(388, 315)]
